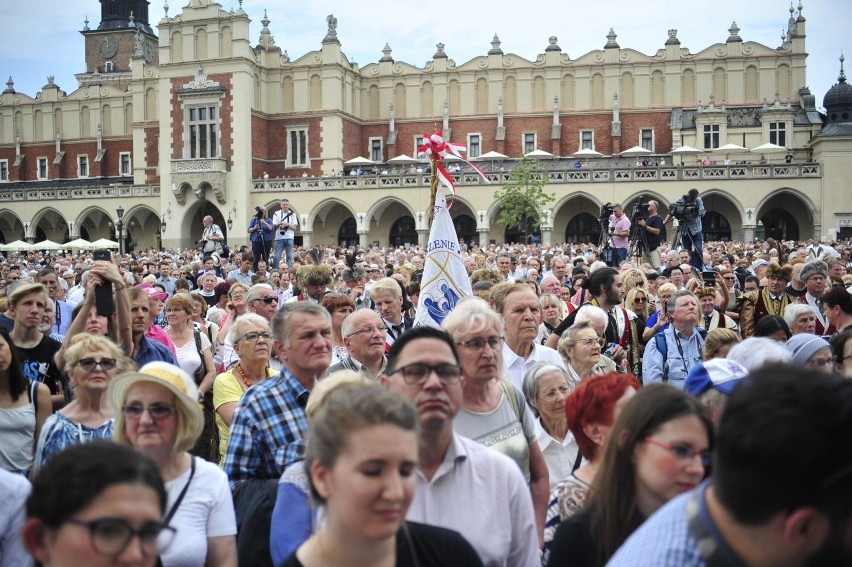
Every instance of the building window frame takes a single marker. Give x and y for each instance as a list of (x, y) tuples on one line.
[(529, 141), (418, 141), (377, 149), (646, 138), (587, 139), (42, 172), (82, 165), (202, 122), (298, 146), (125, 164), (4, 170), (778, 133), (712, 136), (474, 145)]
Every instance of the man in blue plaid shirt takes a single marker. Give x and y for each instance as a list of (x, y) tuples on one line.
[(269, 422), (781, 492), (693, 237)]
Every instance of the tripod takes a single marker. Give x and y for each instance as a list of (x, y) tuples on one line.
[(683, 232), (605, 251), (638, 241)]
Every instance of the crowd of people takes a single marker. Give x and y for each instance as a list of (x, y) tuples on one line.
[(273, 405)]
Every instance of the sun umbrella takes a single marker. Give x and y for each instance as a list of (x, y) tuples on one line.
[(684, 150), (492, 155), (78, 243), (17, 245), (635, 151), (402, 160), (538, 154), (768, 148), (730, 148), (586, 153), (47, 245), (359, 161), (104, 243)]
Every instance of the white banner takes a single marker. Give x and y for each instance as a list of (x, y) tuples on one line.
[(445, 280)]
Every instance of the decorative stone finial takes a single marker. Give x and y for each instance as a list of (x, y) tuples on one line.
[(800, 17), (672, 40), (10, 86), (265, 21), (386, 54), (131, 24), (610, 40), (285, 57), (166, 9), (552, 46), (331, 34), (50, 79), (86, 23), (791, 9), (841, 79), (440, 53), (734, 30), (495, 46)]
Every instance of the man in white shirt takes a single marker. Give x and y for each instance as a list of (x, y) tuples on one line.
[(461, 485), (286, 223)]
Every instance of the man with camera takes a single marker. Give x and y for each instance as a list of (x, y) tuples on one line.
[(286, 222), (619, 226), (689, 210), (260, 231), (212, 238), (655, 234)]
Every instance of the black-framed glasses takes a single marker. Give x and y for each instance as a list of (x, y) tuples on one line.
[(417, 373), (111, 536), (89, 364), (369, 330), (254, 336), (478, 343), (821, 362), (683, 453), (157, 412), (639, 299), (267, 299)]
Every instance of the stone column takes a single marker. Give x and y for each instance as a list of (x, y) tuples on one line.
[(546, 234), (422, 237), (748, 231), (483, 237), (306, 238), (362, 239)]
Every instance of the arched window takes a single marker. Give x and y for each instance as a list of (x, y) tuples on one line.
[(465, 226), (403, 232), (348, 233), (584, 227), (716, 227)]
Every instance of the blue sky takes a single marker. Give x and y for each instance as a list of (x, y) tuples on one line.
[(38, 43)]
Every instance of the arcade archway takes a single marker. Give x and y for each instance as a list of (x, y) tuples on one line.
[(403, 231), (785, 216)]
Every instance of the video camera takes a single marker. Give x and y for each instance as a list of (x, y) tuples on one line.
[(682, 207), (259, 214), (640, 209), (607, 210)]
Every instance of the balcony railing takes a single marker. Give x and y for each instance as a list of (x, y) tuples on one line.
[(497, 178)]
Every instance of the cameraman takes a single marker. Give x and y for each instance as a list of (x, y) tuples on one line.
[(285, 221), (260, 230), (693, 232), (655, 230), (619, 226)]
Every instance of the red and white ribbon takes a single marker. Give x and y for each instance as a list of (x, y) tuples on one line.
[(437, 148)]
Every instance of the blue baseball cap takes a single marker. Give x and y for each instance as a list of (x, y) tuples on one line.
[(719, 373)]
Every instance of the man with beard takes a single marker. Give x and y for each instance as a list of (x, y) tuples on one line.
[(754, 305), (519, 307), (815, 277), (761, 507), (313, 281), (606, 289)]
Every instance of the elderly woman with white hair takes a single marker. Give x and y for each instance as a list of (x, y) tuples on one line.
[(160, 417), (545, 388), (801, 318), (756, 352)]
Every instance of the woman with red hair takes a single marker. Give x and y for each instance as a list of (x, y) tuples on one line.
[(591, 410)]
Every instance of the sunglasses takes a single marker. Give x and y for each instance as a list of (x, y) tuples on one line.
[(267, 299), (157, 412), (89, 364), (639, 300)]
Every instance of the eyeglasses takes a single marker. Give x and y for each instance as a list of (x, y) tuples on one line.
[(640, 299), (267, 299), (683, 453), (157, 412), (589, 342), (369, 330), (254, 336), (236, 294), (728, 278), (479, 344), (111, 536), (89, 364), (822, 362), (417, 373)]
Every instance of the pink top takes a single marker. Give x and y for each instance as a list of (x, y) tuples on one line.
[(156, 333)]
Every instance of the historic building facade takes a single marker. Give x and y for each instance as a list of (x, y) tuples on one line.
[(197, 119)]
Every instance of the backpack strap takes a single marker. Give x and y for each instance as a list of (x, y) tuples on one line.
[(509, 390), (662, 344), (32, 393)]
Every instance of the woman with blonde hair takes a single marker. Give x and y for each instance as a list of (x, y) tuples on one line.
[(92, 362), (553, 311), (718, 342), (633, 278)]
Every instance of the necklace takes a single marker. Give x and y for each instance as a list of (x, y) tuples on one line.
[(246, 379)]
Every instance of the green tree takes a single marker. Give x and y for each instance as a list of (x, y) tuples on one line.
[(522, 198)]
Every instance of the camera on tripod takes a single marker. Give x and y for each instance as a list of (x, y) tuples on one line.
[(640, 209), (607, 210), (681, 208)]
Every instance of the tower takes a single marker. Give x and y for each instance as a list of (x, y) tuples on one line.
[(123, 33)]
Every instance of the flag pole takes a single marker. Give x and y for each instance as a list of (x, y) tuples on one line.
[(434, 190)]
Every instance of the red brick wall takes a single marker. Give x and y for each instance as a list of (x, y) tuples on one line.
[(269, 142), (152, 154), (226, 130)]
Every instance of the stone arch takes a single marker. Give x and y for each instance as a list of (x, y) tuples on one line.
[(626, 98), (597, 95), (427, 98), (464, 220), (782, 82), (568, 208), (382, 217), (538, 102), (150, 104), (177, 47), (316, 92), (93, 223), (786, 214), (662, 202), (567, 100), (454, 103), (658, 88), (11, 227), (347, 235), (481, 99), (48, 223), (287, 94), (200, 44), (510, 94), (752, 84), (724, 217), (142, 228), (403, 231), (226, 37), (720, 85), (190, 222), (687, 87), (399, 96), (326, 219)]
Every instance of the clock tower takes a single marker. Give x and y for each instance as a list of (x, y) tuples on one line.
[(123, 33)]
